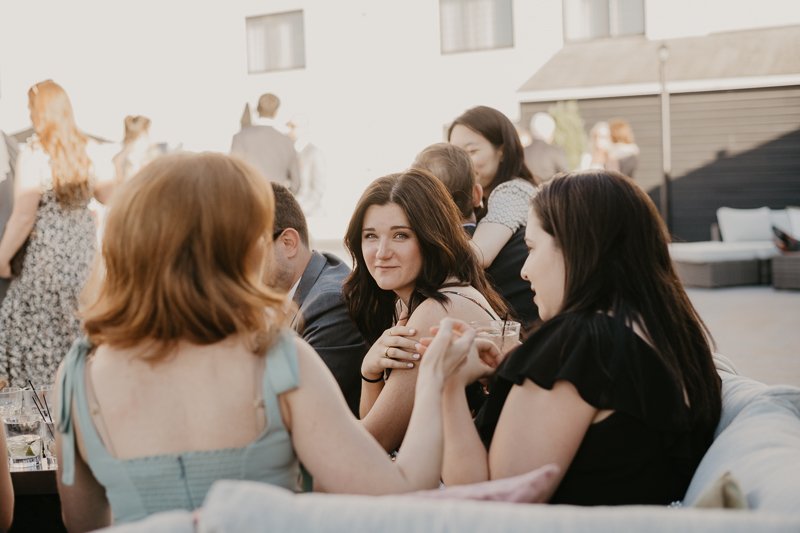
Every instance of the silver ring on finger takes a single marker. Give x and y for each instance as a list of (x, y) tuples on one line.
[(386, 352)]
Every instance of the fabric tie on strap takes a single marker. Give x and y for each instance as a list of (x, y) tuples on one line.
[(73, 364)]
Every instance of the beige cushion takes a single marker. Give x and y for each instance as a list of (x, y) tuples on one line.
[(724, 493), (737, 225), (721, 252)]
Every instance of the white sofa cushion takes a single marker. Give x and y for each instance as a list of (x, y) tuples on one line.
[(780, 219), (737, 225), (793, 213), (720, 252), (758, 441)]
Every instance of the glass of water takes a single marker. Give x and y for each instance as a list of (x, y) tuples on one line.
[(10, 402), (503, 333), (24, 439), (43, 400), (49, 443)]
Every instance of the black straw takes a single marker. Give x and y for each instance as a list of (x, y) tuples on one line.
[(36, 403)]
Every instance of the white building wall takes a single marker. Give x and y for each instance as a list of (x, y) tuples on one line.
[(375, 88)]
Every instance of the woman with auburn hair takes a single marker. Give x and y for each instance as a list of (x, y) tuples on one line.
[(413, 267), (492, 142), (618, 385), (188, 374), (49, 241)]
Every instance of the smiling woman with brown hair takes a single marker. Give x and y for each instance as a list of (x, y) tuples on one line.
[(413, 267)]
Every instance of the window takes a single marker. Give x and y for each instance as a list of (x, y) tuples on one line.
[(468, 25), (275, 42), (592, 19)]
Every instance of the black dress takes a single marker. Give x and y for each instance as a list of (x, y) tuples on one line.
[(646, 451)]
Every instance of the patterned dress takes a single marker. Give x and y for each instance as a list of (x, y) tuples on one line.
[(37, 318)]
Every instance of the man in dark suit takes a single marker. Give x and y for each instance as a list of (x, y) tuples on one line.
[(453, 167), (314, 283), (8, 160), (542, 158), (268, 150)]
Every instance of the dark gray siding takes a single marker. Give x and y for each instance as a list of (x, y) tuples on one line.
[(730, 148)]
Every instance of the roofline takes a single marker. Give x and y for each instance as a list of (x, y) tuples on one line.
[(649, 88)]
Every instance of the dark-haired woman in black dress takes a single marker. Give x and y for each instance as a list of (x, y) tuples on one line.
[(617, 386)]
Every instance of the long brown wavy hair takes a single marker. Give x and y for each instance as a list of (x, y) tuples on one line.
[(176, 258), (444, 246), (616, 257), (54, 122)]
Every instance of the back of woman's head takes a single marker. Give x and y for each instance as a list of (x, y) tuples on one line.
[(135, 127), (495, 127), (179, 253), (54, 122), (453, 167), (616, 260), (444, 246)]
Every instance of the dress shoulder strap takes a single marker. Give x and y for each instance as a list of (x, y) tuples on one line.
[(281, 374), (473, 300), (68, 381)]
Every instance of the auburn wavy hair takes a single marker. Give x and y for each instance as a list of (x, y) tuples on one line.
[(178, 255), (443, 243), (54, 122)]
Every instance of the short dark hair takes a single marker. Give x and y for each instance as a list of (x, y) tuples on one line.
[(288, 213), (495, 127), (453, 167)]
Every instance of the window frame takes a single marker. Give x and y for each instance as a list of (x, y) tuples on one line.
[(278, 14), (469, 50)]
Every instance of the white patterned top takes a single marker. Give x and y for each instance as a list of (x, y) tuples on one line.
[(509, 203)]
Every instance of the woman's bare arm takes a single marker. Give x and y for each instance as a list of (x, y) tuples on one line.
[(389, 416), (19, 226), (539, 427), (488, 240), (84, 506), (339, 452), (6, 490)]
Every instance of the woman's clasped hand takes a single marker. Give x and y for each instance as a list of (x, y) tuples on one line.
[(396, 348), (482, 355)]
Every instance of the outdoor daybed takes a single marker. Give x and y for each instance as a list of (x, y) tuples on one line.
[(744, 255), (757, 440)]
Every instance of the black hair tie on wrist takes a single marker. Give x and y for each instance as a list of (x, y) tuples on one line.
[(372, 380)]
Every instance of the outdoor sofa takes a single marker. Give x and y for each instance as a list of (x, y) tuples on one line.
[(746, 253), (757, 441)]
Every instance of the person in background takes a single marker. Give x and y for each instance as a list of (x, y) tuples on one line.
[(311, 161), (525, 137), (58, 171), (413, 266), (542, 158), (8, 161), (271, 152), (617, 386), (181, 326), (453, 167), (600, 158), (313, 281), (623, 149), (137, 150), (492, 143)]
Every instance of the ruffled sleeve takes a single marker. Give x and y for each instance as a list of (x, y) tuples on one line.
[(509, 204), (610, 366)]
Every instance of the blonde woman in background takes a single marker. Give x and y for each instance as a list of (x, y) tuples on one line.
[(137, 150), (58, 172)]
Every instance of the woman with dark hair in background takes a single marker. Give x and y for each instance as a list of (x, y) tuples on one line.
[(413, 266), (52, 234), (492, 142), (617, 386)]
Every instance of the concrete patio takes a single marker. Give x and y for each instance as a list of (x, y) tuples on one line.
[(758, 328)]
